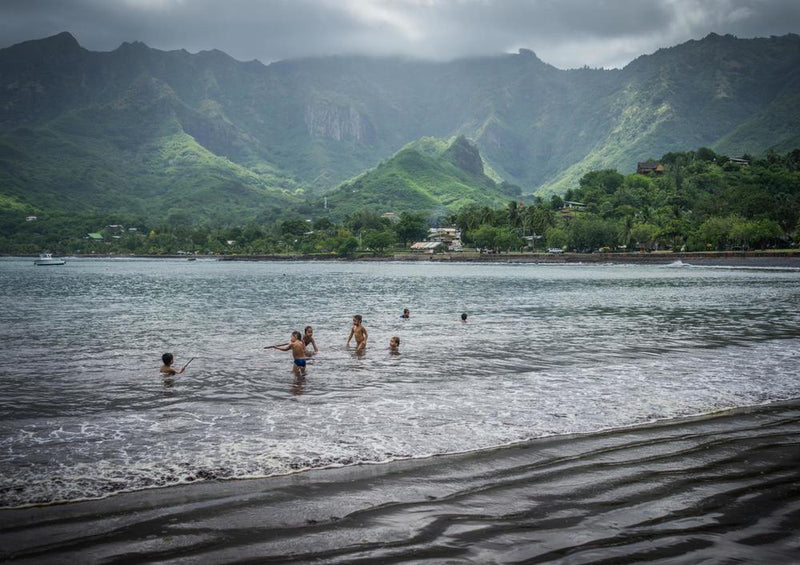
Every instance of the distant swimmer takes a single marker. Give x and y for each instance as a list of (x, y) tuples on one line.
[(406, 314), (360, 333), (394, 345), (168, 360), (464, 318), (298, 349)]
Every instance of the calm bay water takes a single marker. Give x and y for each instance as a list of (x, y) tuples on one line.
[(548, 350)]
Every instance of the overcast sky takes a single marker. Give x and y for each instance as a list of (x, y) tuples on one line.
[(564, 33)]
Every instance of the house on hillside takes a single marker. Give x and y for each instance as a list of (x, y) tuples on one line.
[(94, 236), (571, 207), (650, 168), (742, 162)]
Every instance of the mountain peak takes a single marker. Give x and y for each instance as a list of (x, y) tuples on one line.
[(530, 57), (133, 46), (61, 42), (717, 37), (465, 156), (56, 50)]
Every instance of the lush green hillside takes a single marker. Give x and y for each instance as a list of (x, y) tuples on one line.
[(205, 137), (430, 175), (702, 201), (123, 144), (733, 95), (169, 176)]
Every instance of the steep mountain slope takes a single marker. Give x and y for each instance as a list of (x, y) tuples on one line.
[(428, 175), (716, 92), (166, 133), (80, 133)]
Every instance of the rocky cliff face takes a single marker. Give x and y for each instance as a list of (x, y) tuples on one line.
[(465, 156), (340, 121)]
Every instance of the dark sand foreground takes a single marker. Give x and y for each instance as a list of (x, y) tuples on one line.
[(722, 489)]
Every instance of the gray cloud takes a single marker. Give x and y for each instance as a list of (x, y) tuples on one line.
[(565, 33)]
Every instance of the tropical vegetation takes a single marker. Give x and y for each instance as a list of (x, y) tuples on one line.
[(703, 201), (202, 139)]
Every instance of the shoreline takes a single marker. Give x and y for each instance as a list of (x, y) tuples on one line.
[(710, 487), (789, 259)]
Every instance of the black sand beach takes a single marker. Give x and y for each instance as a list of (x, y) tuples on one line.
[(717, 489)]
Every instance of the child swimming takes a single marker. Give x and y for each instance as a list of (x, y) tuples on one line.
[(167, 369)]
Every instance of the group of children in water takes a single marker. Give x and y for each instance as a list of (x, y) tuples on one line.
[(301, 346)]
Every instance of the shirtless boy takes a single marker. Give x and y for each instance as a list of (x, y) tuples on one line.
[(308, 342), (298, 353), (168, 360), (359, 332)]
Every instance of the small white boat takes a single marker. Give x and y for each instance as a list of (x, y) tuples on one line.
[(47, 259)]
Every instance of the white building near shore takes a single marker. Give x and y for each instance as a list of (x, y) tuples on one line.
[(440, 239)]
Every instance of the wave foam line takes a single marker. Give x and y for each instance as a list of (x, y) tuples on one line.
[(704, 489)]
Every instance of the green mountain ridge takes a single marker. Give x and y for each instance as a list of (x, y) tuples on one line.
[(129, 150), (429, 174), (170, 134)]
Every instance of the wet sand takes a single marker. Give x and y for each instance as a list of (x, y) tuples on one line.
[(717, 489)]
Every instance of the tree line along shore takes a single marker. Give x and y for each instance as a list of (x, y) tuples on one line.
[(776, 259), (696, 201)]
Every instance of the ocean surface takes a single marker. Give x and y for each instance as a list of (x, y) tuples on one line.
[(548, 350)]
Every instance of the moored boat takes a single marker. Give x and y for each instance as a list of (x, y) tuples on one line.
[(46, 259)]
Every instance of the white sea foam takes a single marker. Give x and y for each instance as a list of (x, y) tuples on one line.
[(547, 351)]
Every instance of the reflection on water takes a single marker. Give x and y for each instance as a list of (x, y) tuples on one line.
[(547, 350), (298, 386)]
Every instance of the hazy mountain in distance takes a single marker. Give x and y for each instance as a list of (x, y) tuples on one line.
[(205, 137)]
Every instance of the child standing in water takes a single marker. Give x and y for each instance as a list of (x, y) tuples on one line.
[(168, 360), (308, 341), (360, 333), (394, 345), (298, 349)]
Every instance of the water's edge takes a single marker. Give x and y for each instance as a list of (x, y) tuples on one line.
[(525, 443), (702, 487)]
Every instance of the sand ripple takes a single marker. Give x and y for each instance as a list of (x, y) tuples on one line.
[(713, 490)]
